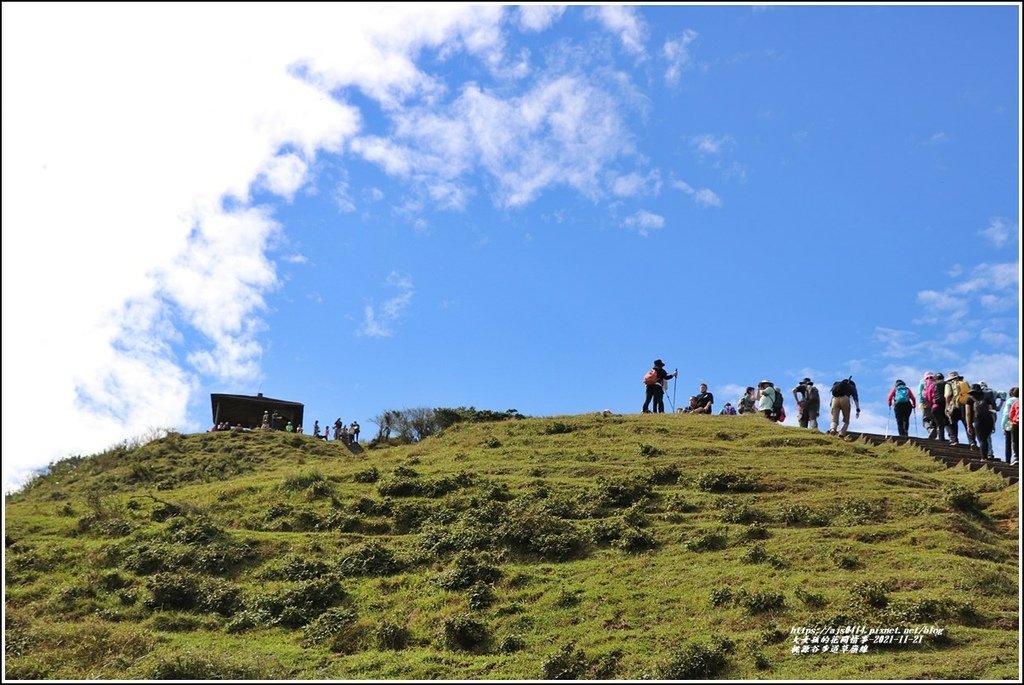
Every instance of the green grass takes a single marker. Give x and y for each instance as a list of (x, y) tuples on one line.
[(621, 547)]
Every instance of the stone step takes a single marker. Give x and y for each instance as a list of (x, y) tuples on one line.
[(950, 455)]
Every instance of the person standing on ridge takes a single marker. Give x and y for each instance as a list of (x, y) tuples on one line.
[(842, 392), (748, 403), (808, 403), (656, 380), (902, 402)]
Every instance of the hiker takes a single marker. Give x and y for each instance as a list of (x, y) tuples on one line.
[(747, 403), (265, 425), (705, 400), (808, 403), (354, 430), (958, 408), (766, 401), (1011, 428), (656, 380), (691, 408), (842, 392), (936, 396), (289, 427), (902, 402), (728, 410), (927, 381), (984, 422), (996, 399), (337, 428), (316, 429)]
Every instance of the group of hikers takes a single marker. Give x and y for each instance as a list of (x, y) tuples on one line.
[(346, 434), (275, 421), (945, 403)]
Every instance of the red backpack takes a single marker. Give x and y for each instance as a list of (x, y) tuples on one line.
[(651, 377)]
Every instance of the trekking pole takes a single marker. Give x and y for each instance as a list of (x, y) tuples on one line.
[(675, 384), (887, 418)]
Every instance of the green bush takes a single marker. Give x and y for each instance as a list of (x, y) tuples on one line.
[(463, 632), (962, 498), (568, 663), (694, 661), (391, 635), (370, 559), (724, 481)]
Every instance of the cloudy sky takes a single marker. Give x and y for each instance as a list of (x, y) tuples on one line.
[(363, 207)]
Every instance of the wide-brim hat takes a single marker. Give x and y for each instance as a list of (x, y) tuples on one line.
[(807, 381), (976, 393), (658, 362), (954, 376)]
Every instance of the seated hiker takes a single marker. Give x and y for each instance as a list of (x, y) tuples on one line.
[(728, 410), (705, 400)]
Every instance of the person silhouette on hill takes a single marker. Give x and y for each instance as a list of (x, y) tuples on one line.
[(656, 381)]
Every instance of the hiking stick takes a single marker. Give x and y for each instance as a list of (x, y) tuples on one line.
[(675, 384), (887, 418)]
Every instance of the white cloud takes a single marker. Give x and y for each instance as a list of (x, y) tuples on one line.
[(634, 184), (997, 232), (141, 140), (937, 138), (625, 23), (380, 323), (561, 131), (643, 222), (284, 174), (539, 17), (705, 197), (677, 53), (707, 144)]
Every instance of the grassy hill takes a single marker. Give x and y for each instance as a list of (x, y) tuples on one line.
[(621, 547)]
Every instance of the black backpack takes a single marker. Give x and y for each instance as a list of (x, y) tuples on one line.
[(777, 404), (841, 388)]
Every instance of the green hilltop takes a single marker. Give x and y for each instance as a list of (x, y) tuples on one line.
[(587, 547)]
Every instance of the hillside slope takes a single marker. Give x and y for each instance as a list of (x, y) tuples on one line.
[(621, 547)]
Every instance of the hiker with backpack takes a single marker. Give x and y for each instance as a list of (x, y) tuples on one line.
[(935, 395), (770, 400), (656, 379), (808, 403), (748, 403), (842, 392), (927, 381), (902, 402), (1011, 425), (958, 408), (984, 419), (996, 399)]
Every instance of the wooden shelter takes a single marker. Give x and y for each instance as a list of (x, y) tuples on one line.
[(248, 410)]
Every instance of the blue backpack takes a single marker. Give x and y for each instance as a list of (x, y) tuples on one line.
[(902, 394)]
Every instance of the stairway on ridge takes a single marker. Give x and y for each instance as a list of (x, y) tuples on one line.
[(950, 455)]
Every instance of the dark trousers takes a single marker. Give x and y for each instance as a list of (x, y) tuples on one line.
[(655, 393), (939, 423), (983, 434), (1012, 443), (903, 410)]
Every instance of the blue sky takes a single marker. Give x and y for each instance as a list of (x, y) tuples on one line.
[(364, 208)]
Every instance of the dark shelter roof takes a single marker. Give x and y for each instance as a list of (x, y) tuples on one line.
[(248, 410)]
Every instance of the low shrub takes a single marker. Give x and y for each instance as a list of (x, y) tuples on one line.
[(694, 661), (463, 632)]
